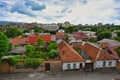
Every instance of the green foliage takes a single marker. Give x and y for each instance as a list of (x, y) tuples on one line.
[(30, 48), (117, 38), (52, 46), (26, 31), (3, 45), (32, 62), (52, 54), (40, 42), (12, 61), (70, 29), (12, 32), (30, 51), (103, 35), (118, 34), (37, 29)]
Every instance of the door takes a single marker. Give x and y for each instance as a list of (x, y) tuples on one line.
[(47, 66), (89, 66), (80, 65)]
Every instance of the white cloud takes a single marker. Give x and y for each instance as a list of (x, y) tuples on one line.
[(77, 12)]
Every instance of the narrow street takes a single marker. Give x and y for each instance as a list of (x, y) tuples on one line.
[(67, 75)]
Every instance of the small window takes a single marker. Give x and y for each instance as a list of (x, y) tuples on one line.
[(74, 66), (110, 63), (68, 66)]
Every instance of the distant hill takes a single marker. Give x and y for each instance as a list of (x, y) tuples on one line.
[(7, 22)]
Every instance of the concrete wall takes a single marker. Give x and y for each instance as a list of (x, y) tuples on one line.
[(71, 65)]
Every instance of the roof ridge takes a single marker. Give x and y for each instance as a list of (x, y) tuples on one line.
[(98, 54)]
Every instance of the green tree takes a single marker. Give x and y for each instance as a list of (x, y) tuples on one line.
[(32, 62), (70, 29), (12, 32), (37, 29), (52, 54), (30, 50), (12, 61), (118, 34), (102, 35), (52, 46), (3, 45), (40, 42)]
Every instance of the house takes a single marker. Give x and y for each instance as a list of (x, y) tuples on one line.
[(95, 57), (33, 38), (52, 27), (110, 42), (18, 50), (60, 35), (111, 49), (70, 58), (19, 41), (79, 35), (90, 34)]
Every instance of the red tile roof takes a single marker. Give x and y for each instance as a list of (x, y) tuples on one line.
[(79, 35), (104, 44), (96, 53), (68, 54), (34, 38)]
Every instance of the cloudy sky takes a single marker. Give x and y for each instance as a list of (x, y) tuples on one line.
[(54, 11)]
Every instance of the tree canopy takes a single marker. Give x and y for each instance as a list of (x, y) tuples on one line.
[(12, 32), (52, 46), (4, 45)]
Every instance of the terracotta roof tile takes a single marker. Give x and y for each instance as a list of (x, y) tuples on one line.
[(34, 38), (68, 54), (60, 35), (96, 53)]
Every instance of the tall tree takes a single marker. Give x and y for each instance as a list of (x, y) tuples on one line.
[(52, 46), (40, 42), (3, 45), (12, 32)]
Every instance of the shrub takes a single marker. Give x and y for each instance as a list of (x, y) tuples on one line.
[(32, 62), (12, 61)]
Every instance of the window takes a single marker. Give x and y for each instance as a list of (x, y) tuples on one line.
[(74, 66), (68, 66), (110, 63)]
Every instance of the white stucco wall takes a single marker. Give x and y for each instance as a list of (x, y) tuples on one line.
[(113, 63), (71, 65), (99, 64)]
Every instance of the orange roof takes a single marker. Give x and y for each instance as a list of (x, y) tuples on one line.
[(104, 44), (18, 40), (15, 41), (68, 54), (34, 38), (60, 35), (96, 53)]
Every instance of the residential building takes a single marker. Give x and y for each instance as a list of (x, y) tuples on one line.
[(79, 35), (110, 42), (95, 57), (70, 58)]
